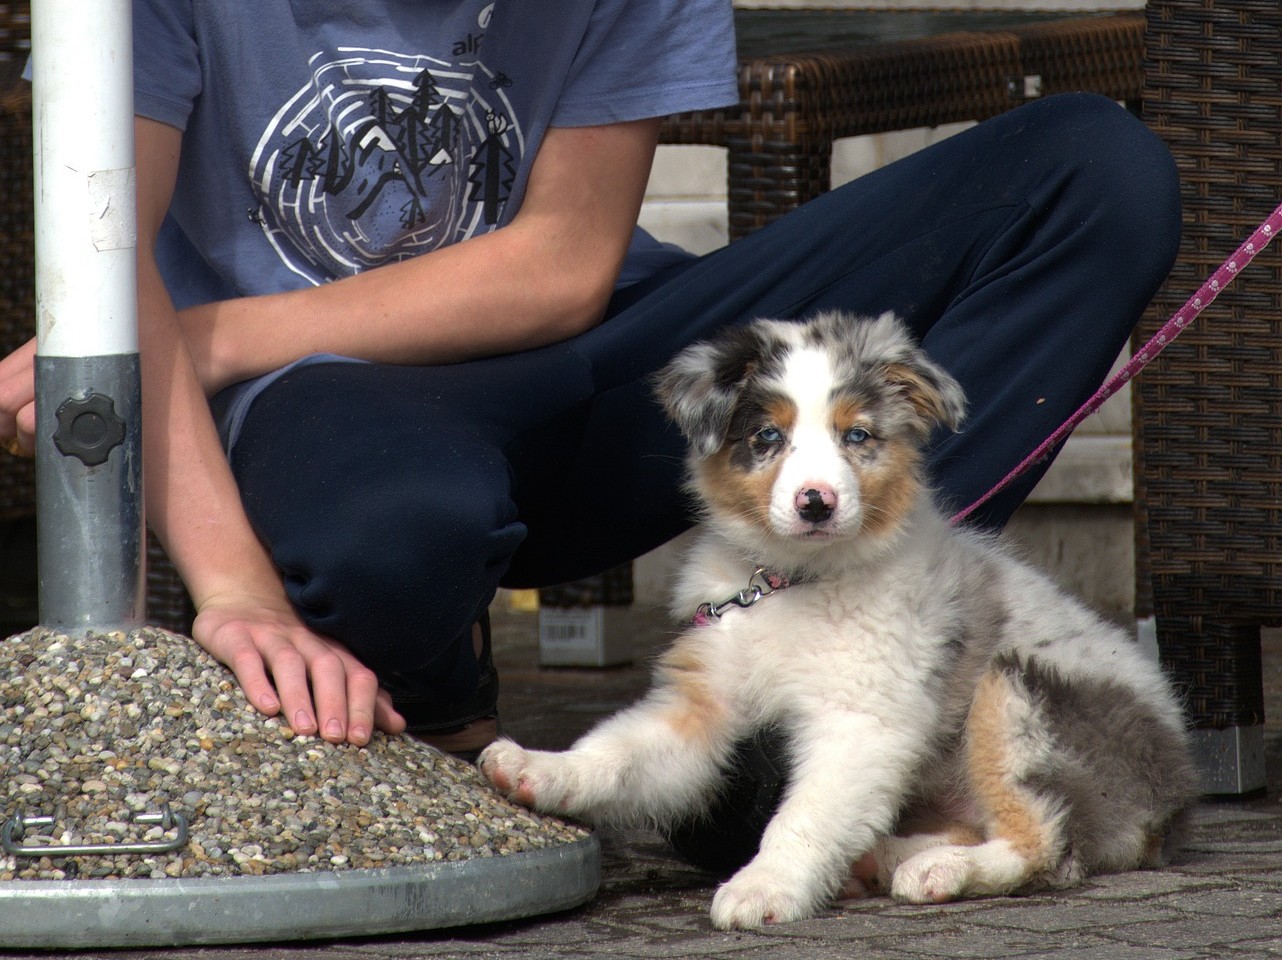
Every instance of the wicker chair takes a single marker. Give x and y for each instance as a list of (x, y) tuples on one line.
[(1209, 411), (793, 106)]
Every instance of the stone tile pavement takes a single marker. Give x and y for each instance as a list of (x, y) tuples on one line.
[(1222, 898)]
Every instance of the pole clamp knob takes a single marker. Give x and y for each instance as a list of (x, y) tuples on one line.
[(88, 428)]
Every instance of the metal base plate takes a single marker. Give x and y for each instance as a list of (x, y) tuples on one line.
[(69, 914), (1231, 761)]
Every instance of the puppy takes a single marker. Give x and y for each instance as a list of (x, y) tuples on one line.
[(957, 725)]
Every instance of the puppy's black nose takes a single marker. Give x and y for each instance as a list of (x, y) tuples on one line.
[(815, 505)]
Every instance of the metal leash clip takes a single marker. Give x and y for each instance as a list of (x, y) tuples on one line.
[(762, 583), (13, 829)]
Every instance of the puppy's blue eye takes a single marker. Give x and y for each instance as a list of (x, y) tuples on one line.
[(856, 436), (770, 435)]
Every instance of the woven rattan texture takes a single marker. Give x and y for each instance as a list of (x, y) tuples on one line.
[(17, 288), (1217, 667), (1104, 55), (613, 588), (15, 29), (793, 106), (1210, 424), (17, 294)]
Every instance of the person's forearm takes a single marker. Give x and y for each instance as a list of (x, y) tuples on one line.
[(244, 618), (496, 293), (191, 498)]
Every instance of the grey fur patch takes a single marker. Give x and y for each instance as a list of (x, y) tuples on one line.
[(1120, 767), (701, 386), (981, 620), (878, 356), (750, 415)]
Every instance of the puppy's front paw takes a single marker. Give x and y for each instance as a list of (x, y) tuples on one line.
[(936, 875), (533, 778), (502, 763), (753, 897)]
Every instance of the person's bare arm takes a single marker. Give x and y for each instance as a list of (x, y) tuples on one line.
[(243, 616), (545, 277)]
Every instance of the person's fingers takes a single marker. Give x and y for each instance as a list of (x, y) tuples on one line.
[(328, 675), (290, 674), (237, 650), (315, 684), (17, 401), (27, 430), (362, 697), (271, 672), (386, 718)]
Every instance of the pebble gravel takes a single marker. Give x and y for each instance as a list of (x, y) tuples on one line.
[(99, 729)]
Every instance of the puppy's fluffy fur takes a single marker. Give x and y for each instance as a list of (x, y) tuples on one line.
[(957, 725)]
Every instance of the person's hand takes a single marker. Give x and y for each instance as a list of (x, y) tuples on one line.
[(18, 400), (315, 684)]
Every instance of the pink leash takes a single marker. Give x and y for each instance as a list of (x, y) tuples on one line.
[(1173, 327)]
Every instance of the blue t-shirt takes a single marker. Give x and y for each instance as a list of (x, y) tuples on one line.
[(325, 137)]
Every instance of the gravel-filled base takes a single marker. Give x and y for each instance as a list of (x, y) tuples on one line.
[(97, 730)]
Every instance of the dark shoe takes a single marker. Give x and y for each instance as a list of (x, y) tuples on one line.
[(465, 742), (462, 727), (728, 835)]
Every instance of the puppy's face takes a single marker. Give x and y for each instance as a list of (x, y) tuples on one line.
[(809, 432)]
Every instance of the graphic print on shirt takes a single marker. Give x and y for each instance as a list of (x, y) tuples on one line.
[(384, 156)]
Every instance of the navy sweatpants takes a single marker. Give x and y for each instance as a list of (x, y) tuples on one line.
[(396, 499)]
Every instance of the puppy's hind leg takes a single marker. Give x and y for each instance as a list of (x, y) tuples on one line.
[(652, 763), (914, 836), (1007, 742)]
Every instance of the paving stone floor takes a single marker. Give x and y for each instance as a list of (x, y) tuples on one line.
[(1222, 898)]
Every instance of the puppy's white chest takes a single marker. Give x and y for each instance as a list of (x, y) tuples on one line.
[(805, 641)]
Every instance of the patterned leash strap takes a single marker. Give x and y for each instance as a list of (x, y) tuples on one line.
[(1173, 327)]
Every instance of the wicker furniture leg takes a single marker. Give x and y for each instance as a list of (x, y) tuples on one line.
[(1210, 435)]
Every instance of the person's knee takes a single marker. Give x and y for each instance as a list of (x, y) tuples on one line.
[(397, 574), (1122, 172)]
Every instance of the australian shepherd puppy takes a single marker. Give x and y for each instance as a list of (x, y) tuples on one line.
[(957, 725)]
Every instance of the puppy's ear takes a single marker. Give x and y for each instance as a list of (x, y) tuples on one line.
[(701, 385), (931, 390), (938, 399)]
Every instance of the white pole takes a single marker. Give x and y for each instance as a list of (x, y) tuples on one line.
[(88, 407)]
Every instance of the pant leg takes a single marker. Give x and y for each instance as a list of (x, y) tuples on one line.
[(1022, 252), (385, 496)]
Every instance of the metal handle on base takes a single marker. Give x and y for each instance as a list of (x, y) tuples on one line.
[(13, 829)]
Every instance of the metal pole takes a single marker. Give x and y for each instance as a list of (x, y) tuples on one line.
[(88, 398)]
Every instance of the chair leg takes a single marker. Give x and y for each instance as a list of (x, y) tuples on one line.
[(1217, 666), (1230, 760), (168, 604), (579, 622)]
